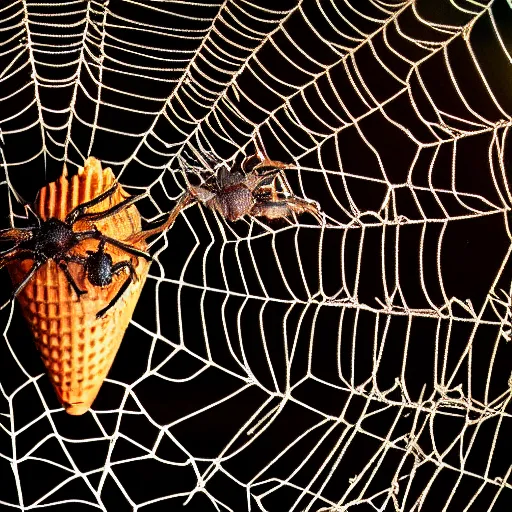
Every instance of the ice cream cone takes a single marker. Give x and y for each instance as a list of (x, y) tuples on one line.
[(77, 348)]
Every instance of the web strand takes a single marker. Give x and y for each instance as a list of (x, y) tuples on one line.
[(290, 365)]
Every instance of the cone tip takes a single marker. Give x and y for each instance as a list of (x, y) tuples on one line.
[(77, 408)]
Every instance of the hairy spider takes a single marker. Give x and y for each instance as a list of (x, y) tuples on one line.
[(54, 239), (247, 189)]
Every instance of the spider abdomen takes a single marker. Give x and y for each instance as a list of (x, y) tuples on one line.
[(234, 202), (99, 269)]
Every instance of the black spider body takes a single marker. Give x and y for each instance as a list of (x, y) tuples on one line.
[(99, 268), (52, 240), (55, 240), (246, 189)]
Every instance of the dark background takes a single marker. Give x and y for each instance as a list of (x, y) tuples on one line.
[(321, 349)]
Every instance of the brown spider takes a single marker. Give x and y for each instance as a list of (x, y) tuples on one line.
[(247, 189)]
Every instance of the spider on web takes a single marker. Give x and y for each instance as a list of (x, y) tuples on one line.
[(246, 189)]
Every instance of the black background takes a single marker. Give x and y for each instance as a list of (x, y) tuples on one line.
[(337, 168)]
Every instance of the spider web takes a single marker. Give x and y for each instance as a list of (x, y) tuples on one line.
[(277, 366)]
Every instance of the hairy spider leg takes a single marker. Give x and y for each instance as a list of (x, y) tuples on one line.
[(116, 269), (101, 247), (211, 158), (223, 177), (271, 167), (276, 174), (120, 245), (63, 266), (94, 216), (298, 205), (19, 235), (73, 258), (30, 274), (71, 217), (188, 168)]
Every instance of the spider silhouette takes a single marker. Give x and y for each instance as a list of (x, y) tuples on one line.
[(247, 189), (54, 239)]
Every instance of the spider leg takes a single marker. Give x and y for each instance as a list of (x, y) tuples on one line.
[(116, 269), (63, 266), (71, 217), (30, 274), (84, 235), (17, 234), (285, 207), (265, 162), (13, 255), (298, 205), (72, 258), (125, 247), (158, 226), (94, 216), (22, 255), (261, 182)]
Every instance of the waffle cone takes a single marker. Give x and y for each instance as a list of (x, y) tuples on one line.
[(77, 348)]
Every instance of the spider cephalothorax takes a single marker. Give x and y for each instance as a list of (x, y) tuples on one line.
[(248, 189), (54, 239)]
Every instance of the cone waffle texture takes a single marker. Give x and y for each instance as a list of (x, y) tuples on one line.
[(77, 348)]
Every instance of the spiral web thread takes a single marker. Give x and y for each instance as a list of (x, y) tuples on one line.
[(291, 365)]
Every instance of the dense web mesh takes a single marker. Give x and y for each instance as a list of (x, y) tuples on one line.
[(361, 363)]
